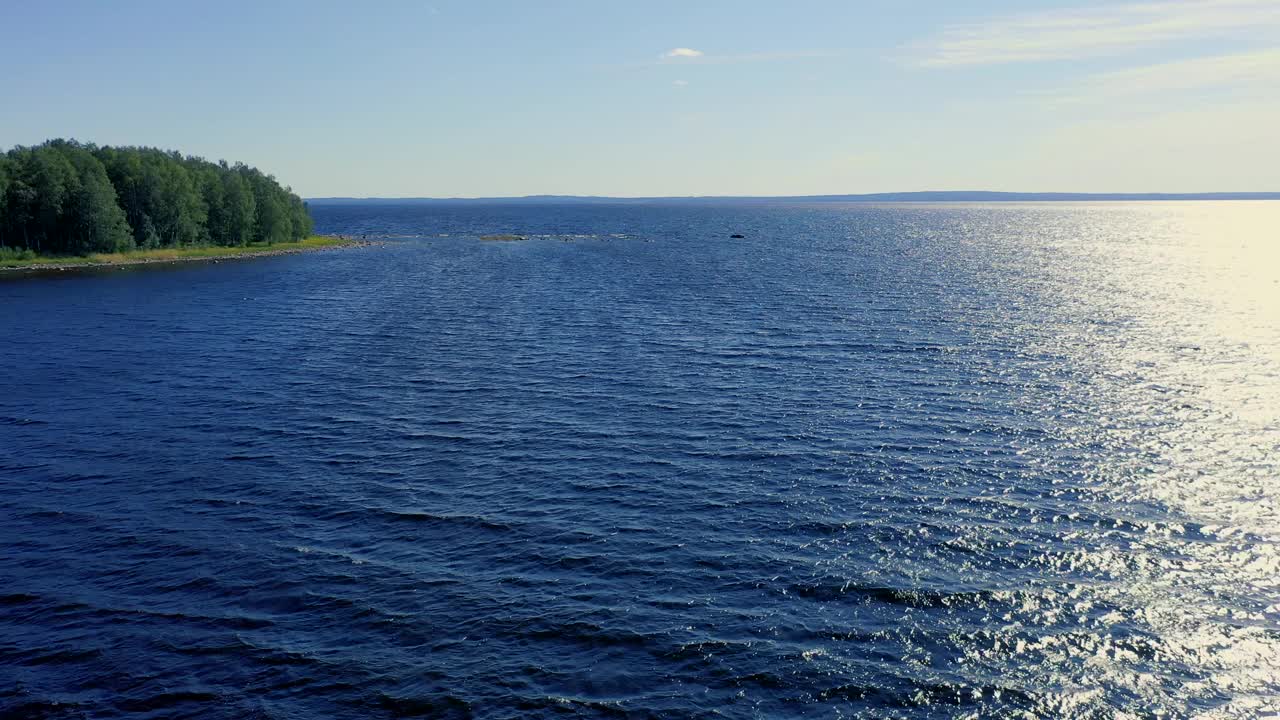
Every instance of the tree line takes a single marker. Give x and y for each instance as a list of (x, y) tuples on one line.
[(70, 198)]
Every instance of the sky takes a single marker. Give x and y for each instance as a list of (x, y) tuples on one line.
[(467, 98)]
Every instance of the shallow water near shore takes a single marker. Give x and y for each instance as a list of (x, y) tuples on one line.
[(903, 461)]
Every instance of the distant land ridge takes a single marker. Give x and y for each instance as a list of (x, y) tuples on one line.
[(924, 196)]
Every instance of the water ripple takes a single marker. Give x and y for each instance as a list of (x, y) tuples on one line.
[(908, 462)]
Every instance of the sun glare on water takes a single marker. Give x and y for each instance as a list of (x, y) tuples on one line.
[(1172, 315)]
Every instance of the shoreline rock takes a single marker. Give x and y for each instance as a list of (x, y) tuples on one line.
[(247, 255)]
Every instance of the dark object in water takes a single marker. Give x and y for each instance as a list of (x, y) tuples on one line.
[(737, 236)]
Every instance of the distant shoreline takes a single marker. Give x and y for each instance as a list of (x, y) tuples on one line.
[(943, 196), (168, 256)]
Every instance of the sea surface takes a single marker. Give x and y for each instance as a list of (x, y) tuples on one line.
[(902, 461)]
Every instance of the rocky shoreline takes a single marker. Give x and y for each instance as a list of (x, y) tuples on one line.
[(126, 262)]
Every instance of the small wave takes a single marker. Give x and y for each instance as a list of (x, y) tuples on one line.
[(229, 622), (583, 633), (82, 477), (36, 709), (17, 468), (559, 705), (9, 420), (166, 701), (60, 656), (422, 516), (911, 597), (434, 706)]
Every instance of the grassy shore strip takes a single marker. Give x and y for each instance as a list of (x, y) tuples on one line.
[(175, 255)]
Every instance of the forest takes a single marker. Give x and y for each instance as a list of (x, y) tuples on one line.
[(70, 198)]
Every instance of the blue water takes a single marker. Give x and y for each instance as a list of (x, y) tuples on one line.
[(883, 462)]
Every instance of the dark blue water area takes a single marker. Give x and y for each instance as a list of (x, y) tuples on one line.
[(901, 461)]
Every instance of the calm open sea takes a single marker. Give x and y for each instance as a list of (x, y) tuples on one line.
[(886, 462)]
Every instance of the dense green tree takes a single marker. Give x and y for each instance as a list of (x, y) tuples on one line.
[(60, 200), (300, 217), (4, 182), (272, 224), (68, 197), (173, 203), (19, 213), (49, 179), (93, 221), (124, 168), (159, 196), (240, 211), (209, 185)]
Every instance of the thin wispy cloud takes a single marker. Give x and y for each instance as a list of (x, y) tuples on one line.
[(1258, 69), (689, 55), (680, 83), (770, 56), (680, 52), (1094, 31)]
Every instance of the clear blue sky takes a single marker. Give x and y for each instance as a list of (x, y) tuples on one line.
[(511, 97)]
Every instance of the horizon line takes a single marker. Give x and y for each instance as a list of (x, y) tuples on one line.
[(916, 195)]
